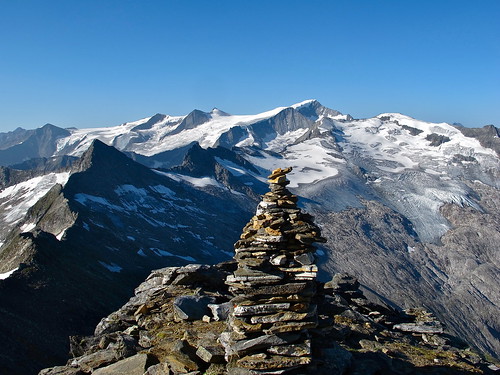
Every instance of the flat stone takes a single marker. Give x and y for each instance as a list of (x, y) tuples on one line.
[(183, 358), (279, 172), (135, 365), (292, 350), (304, 276), (158, 369), (279, 317), (278, 260), (192, 307), (304, 288), (269, 239), (250, 272), (95, 360), (256, 249), (305, 259), (246, 371), (256, 362), (277, 180), (260, 309), (273, 232), (220, 311), (61, 370), (211, 354), (419, 328), (342, 282), (305, 268), (263, 341), (241, 327), (253, 280), (277, 223), (285, 327)]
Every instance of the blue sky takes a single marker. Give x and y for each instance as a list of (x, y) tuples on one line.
[(103, 62)]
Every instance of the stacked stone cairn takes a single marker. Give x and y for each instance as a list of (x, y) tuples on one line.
[(273, 286)]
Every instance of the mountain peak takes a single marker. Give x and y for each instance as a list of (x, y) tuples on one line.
[(306, 103), (217, 112), (98, 150)]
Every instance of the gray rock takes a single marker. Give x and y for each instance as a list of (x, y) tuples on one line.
[(305, 259), (269, 308), (124, 346), (95, 360), (61, 370), (220, 311), (211, 354), (135, 365), (183, 358), (293, 350), (158, 369), (192, 307), (419, 328), (260, 342), (342, 282), (145, 339)]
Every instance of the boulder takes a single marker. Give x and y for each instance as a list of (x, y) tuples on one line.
[(211, 354), (159, 369), (192, 307), (135, 365), (342, 282), (220, 311), (183, 358), (95, 360)]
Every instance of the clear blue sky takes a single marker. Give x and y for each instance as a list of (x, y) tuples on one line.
[(103, 62)]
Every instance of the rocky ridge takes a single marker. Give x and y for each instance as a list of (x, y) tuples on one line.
[(265, 313)]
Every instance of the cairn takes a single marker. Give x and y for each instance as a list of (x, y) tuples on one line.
[(273, 286)]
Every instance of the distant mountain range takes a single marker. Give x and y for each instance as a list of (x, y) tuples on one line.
[(409, 207)]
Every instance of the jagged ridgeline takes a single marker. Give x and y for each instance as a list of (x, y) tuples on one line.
[(273, 285)]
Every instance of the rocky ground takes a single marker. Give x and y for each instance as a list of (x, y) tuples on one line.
[(173, 323)]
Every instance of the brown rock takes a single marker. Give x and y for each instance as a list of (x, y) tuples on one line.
[(263, 362)]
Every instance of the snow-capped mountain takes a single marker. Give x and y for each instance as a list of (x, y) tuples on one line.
[(408, 207)]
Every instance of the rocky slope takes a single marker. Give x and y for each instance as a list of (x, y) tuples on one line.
[(155, 332), (264, 313)]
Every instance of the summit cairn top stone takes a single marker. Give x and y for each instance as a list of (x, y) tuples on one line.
[(273, 286)]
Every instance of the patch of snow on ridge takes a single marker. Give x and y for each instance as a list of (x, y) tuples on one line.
[(280, 142), (199, 182), (4, 275), (163, 190), (87, 199), (28, 227), (15, 200), (234, 169), (164, 253), (111, 267)]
